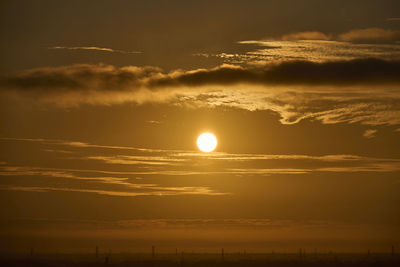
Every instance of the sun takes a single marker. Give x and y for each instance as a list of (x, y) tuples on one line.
[(207, 142)]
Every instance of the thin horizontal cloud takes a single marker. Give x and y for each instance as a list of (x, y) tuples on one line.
[(184, 163), (154, 122), (69, 174), (240, 222), (310, 35), (369, 112), (141, 188), (374, 167), (173, 155), (261, 171), (79, 144), (370, 35), (94, 48), (323, 158), (135, 190), (137, 160), (317, 47), (366, 35), (195, 191), (17, 171), (309, 50), (107, 178), (370, 133)]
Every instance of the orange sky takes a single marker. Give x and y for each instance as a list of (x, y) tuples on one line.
[(101, 104)]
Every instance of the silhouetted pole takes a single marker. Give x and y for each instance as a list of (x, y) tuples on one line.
[(32, 252), (97, 251), (222, 254), (369, 252), (153, 252), (107, 259), (300, 252), (176, 252), (392, 250)]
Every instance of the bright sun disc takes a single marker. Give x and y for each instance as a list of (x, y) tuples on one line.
[(207, 142)]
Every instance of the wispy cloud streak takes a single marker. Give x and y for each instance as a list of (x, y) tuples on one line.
[(107, 178), (95, 48), (193, 191), (176, 162), (145, 189), (370, 133)]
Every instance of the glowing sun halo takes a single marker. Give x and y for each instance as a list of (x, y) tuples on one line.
[(207, 142)]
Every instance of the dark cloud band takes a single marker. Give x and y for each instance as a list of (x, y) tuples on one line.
[(103, 77)]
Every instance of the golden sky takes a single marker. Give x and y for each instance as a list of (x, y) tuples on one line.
[(101, 103)]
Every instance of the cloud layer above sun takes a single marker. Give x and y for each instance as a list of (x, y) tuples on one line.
[(361, 90), (351, 77)]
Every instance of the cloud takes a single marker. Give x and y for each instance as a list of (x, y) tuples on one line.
[(95, 48), (154, 122), (106, 78), (80, 144), (370, 35), (367, 35), (139, 160), (80, 77), (382, 167), (351, 91), (194, 191), (317, 47), (370, 133), (358, 71), (311, 35), (384, 111), (113, 171), (127, 188), (174, 162)]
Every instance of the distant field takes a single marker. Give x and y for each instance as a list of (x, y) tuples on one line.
[(194, 259)]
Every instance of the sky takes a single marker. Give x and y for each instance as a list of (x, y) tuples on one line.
[(102, 103)]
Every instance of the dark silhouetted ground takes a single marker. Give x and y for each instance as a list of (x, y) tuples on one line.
[(279, 260)]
